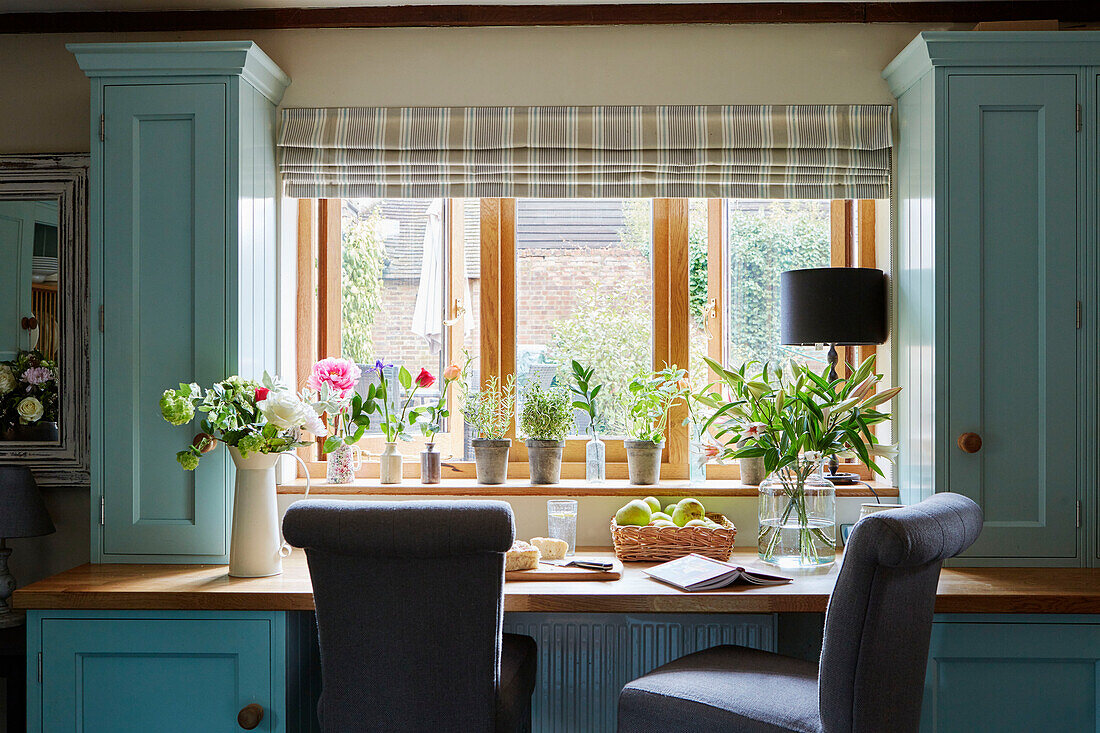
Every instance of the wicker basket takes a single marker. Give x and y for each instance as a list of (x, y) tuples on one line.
[(659, 544)]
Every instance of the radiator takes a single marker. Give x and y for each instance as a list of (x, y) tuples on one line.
[(585, 659)]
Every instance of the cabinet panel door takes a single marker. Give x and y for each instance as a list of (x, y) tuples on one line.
[(1011, 308), (154, 675), (164, 298), (1012, 678)]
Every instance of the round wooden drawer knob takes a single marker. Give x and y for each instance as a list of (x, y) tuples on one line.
[(970, 442), (250, 716)]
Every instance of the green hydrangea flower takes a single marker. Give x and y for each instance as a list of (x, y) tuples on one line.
[(176, 408), (187, 459), (251, 443)]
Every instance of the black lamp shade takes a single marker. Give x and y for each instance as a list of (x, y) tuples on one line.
[(832, 305), (22, 511)]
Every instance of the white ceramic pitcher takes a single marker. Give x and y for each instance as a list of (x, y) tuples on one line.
[(256, 548)]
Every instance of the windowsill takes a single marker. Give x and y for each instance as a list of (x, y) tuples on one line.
[(567, 487)]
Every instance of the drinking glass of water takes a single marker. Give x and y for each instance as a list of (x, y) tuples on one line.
[(561, 522)]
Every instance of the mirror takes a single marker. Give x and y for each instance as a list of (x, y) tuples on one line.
[(44, 315)]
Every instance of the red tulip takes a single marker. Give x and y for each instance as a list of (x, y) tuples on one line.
[(424, 379), (261, 393)]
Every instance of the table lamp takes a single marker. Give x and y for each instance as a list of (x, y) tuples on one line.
[(22, 514), (838, 306)]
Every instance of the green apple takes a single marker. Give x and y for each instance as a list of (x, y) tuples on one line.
[(670, 509), (654, 505), (687, 510), (634, 512), (699, 523), (662, 523), (659, 515)]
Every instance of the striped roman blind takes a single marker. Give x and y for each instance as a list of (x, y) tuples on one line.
[(736, 151)]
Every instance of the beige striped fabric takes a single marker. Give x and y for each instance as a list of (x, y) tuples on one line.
[(738, 151)]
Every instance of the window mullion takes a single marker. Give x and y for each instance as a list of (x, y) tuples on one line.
[(671, 315), (307, 311), (716, 285)]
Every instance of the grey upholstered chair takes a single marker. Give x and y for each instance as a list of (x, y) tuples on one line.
[(873, 657), (410, 599)]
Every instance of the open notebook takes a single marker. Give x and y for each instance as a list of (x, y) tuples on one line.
[(695, 572)]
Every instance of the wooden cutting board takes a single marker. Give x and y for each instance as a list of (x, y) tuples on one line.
[(555, 572)]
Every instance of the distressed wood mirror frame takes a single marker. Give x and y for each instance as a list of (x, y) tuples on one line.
[(64, 178)]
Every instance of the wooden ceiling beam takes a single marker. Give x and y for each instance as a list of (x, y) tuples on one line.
[(411, 16)]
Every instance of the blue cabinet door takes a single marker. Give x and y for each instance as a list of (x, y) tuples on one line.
[(1012, 274), (164, 299), (154, 672), (1014, 677)]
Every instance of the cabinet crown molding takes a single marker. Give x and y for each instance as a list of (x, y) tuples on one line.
[(183, 59), (984, 49)]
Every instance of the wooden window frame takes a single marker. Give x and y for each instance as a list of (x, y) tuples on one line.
[(852, 225)]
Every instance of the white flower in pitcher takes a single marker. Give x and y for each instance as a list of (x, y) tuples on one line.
[(29, 410), (284, 410), (7, 379)]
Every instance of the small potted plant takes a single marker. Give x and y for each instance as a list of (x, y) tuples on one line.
[(647, 400), (545, 419), (489, 412), (29, 398), (595, 452), (431, 420)]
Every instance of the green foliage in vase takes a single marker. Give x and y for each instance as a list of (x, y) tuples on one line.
[(781, 415), (587, 393), (547, 413)]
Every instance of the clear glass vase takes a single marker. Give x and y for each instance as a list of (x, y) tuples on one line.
[(798, 516), (595, 461), (697, 458)]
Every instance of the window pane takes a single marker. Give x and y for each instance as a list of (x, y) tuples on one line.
[(471, 300), (584, 291), (697, 290), (392, 286), (764, 239)]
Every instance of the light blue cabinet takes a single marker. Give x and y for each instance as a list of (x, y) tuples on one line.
[(992, 275), (1013, 674), (126, 671), (183, 235)]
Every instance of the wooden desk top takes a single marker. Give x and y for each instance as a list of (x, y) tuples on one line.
[(208, 587)]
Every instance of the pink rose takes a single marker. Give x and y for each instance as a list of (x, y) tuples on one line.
[(341, 375)]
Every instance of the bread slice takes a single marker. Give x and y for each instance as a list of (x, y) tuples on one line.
[(551, 549), (522, 556)]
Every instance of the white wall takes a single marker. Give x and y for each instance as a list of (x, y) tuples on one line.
[(44, 102)]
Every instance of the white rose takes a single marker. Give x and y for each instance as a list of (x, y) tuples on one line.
[(7, 379), (30, 410), (283, 409)]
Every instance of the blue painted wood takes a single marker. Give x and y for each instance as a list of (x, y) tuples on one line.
[(1009, 674), (1012, 337), (200, 117), (990, 263), (164, 671), (164, 303)]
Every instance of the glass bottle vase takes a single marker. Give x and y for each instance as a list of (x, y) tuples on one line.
[(797, 516), (697, 458), (595, 461)]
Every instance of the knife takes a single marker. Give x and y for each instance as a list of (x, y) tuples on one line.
[(586, 564)]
